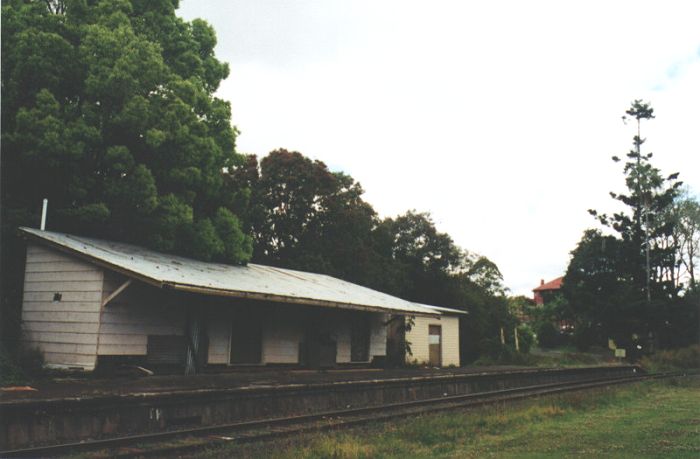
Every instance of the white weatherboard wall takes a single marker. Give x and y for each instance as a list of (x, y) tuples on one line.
[(73, 330), (338, 322), (377, 336), (131, 316), (61, 308), (283, 331), (418, 337), (218, 328)]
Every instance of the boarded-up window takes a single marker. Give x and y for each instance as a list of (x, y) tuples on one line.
[(435, 344), (359, 338), (246, 339), (166, 349)]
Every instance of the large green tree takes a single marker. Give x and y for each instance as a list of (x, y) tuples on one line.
[(685, 215), (108, 110), (645, 228), (605, 301), (627, 285), (304, 216)]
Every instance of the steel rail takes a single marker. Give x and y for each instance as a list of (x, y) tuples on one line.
[(337, 418)]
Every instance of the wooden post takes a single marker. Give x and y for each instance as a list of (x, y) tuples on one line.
[(193, 342), (517, 343), (503, 338)]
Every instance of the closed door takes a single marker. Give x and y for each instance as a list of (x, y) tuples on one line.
[(435, 345)]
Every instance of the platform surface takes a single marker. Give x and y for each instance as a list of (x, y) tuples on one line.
[(89, 387)]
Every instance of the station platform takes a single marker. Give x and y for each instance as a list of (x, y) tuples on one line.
[(75, 410), (88, 386)]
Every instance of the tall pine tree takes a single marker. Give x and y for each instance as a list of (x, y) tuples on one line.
[(626, 285)]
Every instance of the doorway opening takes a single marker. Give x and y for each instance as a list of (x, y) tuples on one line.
[(359, 338), (246, 340)]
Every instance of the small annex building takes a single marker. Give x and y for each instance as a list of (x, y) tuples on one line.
[(434, 340), (90, 302)]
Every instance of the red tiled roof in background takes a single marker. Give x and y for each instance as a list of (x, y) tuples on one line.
[(551, 285)]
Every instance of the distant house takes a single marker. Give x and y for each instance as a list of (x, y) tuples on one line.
[(547, 290), (545, 293), (90, 302)]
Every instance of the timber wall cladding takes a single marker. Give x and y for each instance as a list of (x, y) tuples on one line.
[(418, 337), (283, 331), (61, 307), (218, 329), (377, 335), (340, 325), (62, 316), (134, 314)]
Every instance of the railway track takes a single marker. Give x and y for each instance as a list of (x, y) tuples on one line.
[(174, 442)]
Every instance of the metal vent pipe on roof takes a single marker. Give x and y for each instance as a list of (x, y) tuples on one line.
[(43, 214)]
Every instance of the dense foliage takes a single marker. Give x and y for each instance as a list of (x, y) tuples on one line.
[(108, 110), (306, 217), (637, 284)]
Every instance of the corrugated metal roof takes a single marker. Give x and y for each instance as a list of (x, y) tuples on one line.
[(251, 281), (444, 310)]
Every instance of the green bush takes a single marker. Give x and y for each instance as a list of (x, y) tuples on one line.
[(10, 373), (675, 359), (526, 338), (547, 335), (19, 367), (490, 347), (31, 361), (495, 353), (583, 338)]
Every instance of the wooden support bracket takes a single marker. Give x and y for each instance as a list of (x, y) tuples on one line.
[(116, 293)]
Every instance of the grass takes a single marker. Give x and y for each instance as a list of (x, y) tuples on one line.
[(559, 357), (651, 419), (671, 360)]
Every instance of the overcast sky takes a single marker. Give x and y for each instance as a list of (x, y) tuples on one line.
[(497, 117)]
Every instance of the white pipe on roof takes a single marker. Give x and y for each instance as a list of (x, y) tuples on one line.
[(43, 214)]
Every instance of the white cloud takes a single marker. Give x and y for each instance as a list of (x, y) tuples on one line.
[(500, 118)]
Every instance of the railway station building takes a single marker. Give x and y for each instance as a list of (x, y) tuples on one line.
[(90, 303)]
